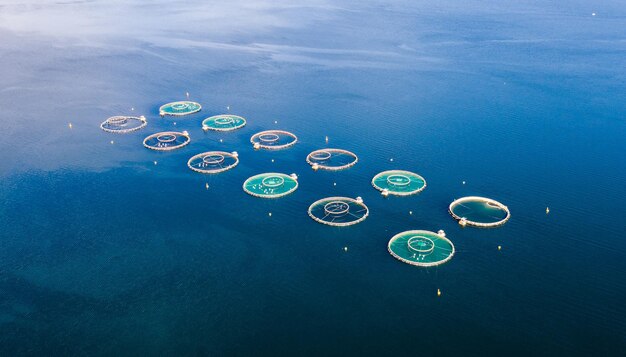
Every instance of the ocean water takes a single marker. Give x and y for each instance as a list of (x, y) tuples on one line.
[(102, 252)]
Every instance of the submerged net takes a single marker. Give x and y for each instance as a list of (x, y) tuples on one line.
[(225, 122), (213, 162), (270, 185), (123, 124), (421, 248), (273, 140), (167, 140), (179, 108), (399, 183), (479, 211), (338, 211), (331, 159)]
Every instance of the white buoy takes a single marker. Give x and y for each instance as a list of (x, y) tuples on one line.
[(275, 121), (593, 14), (206, 185), (205, 128), (294, 176), (155, 162), (221, 140), (463, 222), (257, 146), (345, 249), (235, 154), (547, 210), (464, 182), (315, 167), (326, 139), (334, 183), (272, 160), (186, 133), (228, 107), (174, 123), (410, 212), (385, 192), (132, 109), (441, 232), (70, 125), (359, 199), (187, 95), (391, 159), (112, 142), (270, 214)]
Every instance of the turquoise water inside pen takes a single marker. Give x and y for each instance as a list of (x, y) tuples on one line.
[(104, 252)]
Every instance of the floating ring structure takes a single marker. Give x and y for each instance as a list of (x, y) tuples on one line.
[(331, 159), (399, 182), (167, 140), (273, 140), (338, 211), (270, 185), (123, 124), (223, 122), (421, 248), (213, 162), (479, 212), (179, 108)]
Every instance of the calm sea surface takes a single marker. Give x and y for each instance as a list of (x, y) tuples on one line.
[(102, 252)]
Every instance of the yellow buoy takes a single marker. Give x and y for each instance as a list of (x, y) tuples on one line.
[(547, 210), (499, 247), (438, 292)]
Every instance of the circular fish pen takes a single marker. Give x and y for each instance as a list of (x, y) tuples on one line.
[(167, 140), (339, 211), (224, 122), (398, 183), (331, 159), (421, 248), (479, 212), (213, 162), (179, 108), (273, 140), (123, 124), (270, 185)]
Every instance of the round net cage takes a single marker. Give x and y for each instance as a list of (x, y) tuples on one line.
[(479, 211), (270, 185), (331, 159), (399, 183), (273, 140), (123, 124), (213, 162), (179, 108), (167, 140), (225, 122), (338, 211), (421, 248)]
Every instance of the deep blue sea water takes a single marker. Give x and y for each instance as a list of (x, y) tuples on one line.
[(104, 253)]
